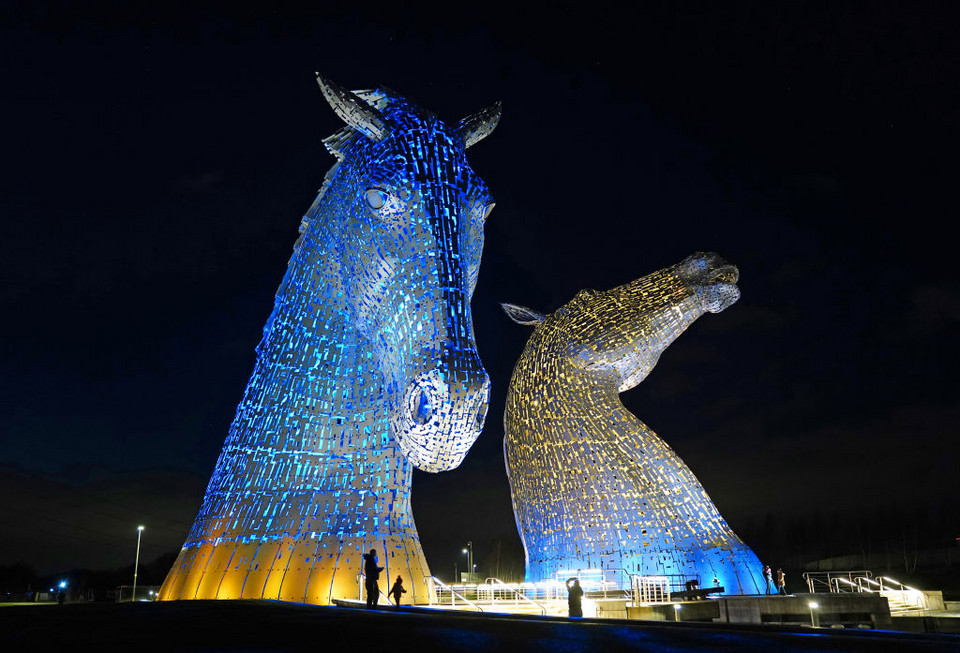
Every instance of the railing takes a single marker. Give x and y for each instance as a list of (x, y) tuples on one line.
[(594, 581), (836, 582), (904, 601), (650, 589), (657, 589), (546, 590), (361, 577), (434, 588), (901, 598), (867, 584), (616, 579), (894, 581), (495, 584)]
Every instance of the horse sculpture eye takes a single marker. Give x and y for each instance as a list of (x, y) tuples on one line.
[(376, 198)]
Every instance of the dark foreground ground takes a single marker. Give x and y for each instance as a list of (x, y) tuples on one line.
[(272, 626)]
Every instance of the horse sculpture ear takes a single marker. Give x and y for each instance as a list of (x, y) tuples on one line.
[(522, 314), (476, 127), (352, 110)]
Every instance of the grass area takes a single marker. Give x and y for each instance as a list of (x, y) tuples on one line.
[(26, 603)]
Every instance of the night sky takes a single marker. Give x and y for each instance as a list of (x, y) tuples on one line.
[(155, 167)]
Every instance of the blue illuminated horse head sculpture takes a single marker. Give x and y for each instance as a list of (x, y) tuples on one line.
[(367, 368)]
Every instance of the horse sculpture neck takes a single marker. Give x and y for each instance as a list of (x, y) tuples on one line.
[(309, 474)]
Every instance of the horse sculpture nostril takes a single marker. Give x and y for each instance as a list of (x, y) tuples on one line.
[(481, 415), (423, 410)]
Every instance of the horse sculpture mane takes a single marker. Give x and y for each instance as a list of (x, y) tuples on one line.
[(367, 368), (593, 487)]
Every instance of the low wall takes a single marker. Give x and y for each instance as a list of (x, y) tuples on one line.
[(611, 608), (927, 624), (846, 610), (933, 600)]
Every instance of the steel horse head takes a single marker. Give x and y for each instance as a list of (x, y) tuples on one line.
[(592, 485), (367, 368)]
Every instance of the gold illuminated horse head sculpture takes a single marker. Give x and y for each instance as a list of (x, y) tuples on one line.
[(367, 368), (592, 486)]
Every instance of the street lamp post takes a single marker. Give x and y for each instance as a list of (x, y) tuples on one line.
[(469, 552), (136, 564), (813, 605)]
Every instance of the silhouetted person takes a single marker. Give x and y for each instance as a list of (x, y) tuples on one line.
[(768, 576), (397, 590), (575, 594), (61, 597), (781, 582), (371, 573)]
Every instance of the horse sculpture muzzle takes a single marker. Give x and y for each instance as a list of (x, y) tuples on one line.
[(714, 280), (441, 412)]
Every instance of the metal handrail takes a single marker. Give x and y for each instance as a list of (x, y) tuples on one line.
[(827, 578), (646, 589), (894, 580), (452, 591), (619, 584), (860, 584), (855, 586), (518, 593), (360, 578), (903, 601)]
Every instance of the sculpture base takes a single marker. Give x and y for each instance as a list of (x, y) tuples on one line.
[(302, 570)]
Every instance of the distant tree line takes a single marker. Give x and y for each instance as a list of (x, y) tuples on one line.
[(894, 539), (20, 582)]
